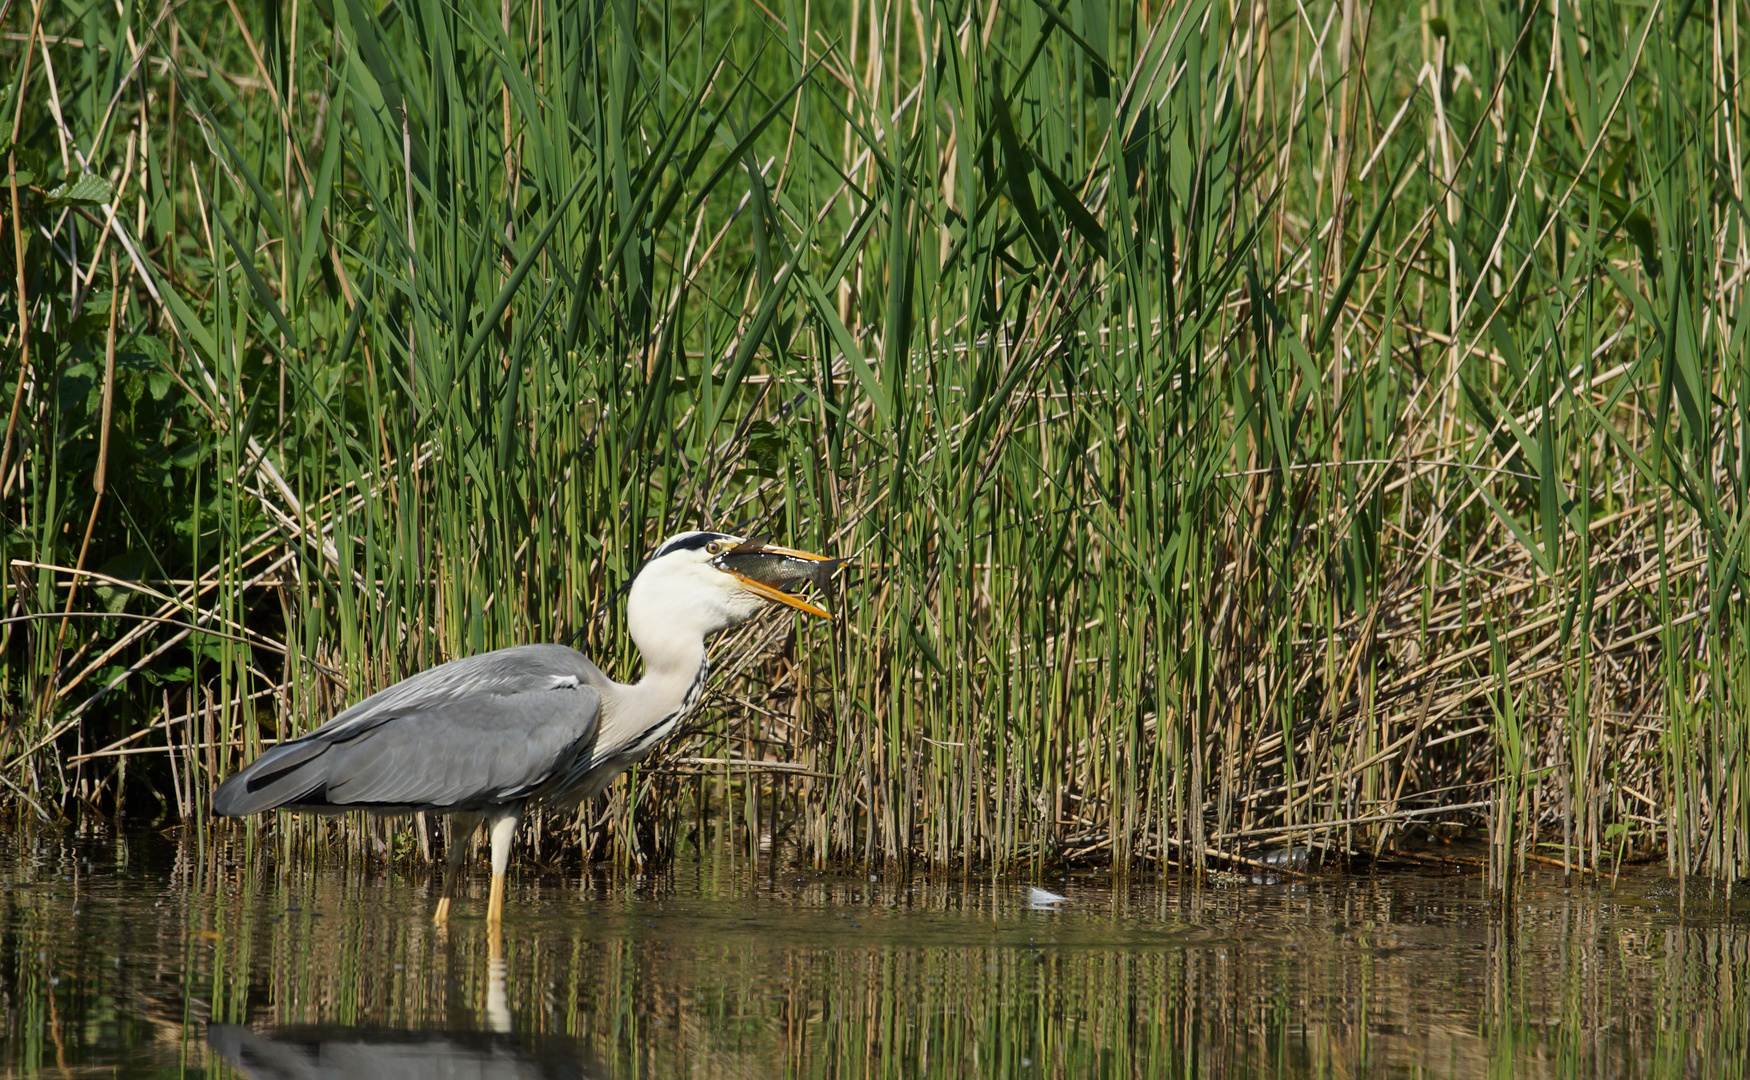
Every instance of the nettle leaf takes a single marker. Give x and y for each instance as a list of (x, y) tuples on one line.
[(114, 599), (87, 324), (144, 353), (154, 349), (147, 355), (189, 454), (30, 164), (77, 384), (158, 383), (175, 676), (86, 189)]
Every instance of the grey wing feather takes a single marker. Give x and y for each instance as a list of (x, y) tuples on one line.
[(507, 671), (469, 734)]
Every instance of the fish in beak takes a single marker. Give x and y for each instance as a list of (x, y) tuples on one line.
[(775, 573)]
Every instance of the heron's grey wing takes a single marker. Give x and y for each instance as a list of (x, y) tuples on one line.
[(473, 733), (515, 670), (475, 752)]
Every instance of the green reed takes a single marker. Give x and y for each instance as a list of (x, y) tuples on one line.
[(1231, 410)]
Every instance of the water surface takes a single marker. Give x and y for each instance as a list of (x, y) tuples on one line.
[(138, 956)]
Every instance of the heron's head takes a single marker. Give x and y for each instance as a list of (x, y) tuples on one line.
[(698, 583)]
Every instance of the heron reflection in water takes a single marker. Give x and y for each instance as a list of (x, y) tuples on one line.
[(483, 737), (493, 1050), (343, 1053)]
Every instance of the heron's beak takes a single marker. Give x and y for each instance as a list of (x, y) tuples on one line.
[(770, 571), (760, 588), (798, 554)]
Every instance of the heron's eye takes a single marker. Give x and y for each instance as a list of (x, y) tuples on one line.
[(714, 548)]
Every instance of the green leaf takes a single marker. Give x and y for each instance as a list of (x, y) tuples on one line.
[(847, 345), (246, 263), (1538, 554), (523, 266), (86, 189), (1353, 270), (767, 446), (1079, 215), (29, 164), (85, 325), (1640, 229), (756, 332), (76, 385), (1017, 164)]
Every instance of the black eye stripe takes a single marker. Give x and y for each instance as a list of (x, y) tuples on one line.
[(692, 542), (686, 542)]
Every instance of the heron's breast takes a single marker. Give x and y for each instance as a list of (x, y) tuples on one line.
[(587, 774), (647, 739)]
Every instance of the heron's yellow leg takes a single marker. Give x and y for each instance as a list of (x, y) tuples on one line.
[(462, 828), (495, 906), (503, 830)]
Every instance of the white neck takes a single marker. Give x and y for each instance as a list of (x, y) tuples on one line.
[(675, 603), (670, 633), (670, 670)]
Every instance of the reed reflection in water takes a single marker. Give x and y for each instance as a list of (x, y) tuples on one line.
[(145, 957)]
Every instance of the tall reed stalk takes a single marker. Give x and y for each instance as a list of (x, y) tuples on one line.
[(1253, 424)]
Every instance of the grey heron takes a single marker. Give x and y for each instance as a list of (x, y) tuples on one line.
[(482, 737)]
